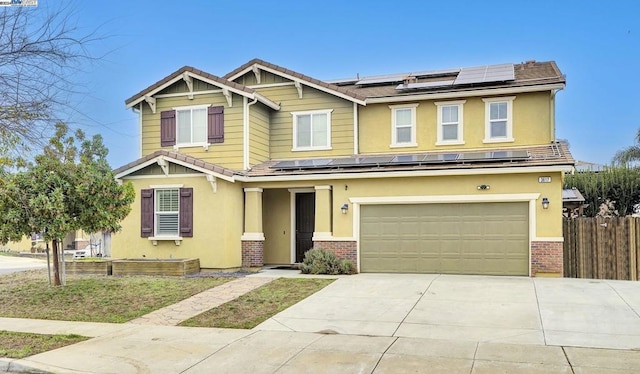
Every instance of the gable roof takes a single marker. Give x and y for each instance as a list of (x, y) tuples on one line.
[(177, 158), (201, 75), (333, 89), (528, 76)]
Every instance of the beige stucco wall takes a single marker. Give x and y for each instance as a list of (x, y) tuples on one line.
[(531, 125), (228, 154), (281, 129), (217, 226), (548, 221), (277, 226)]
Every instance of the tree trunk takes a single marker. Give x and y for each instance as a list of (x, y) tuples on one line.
[(56, 263)]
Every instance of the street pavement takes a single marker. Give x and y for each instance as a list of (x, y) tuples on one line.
[(380, 323), (12, 264)]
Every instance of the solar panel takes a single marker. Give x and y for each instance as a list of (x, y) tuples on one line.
[(509, 155), (408, 160), (474, 156), (382, 79), (376, 160), (301, 164), (343, 161), (417, 86), (435, 73), (485, 74)]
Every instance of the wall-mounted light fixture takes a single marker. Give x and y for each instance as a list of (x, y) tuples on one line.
[(545, 203), (345, 208), (483, 187)]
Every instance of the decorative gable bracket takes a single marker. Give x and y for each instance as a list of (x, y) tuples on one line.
[(213, 181), (256, 72), (152, 103), (299, 88), (227, 95), (189, 81), (164, 166)]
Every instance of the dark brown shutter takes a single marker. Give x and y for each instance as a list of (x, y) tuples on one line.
[(186, 212), (215, 124), (147, 213), (168, 128)]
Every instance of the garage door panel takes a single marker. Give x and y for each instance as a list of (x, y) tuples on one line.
[(476, 238)]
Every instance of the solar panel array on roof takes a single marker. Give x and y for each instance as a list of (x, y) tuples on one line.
[(485, 74), (392, 78), (416, 86), (401, 160)]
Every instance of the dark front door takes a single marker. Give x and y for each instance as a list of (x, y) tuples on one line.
[(305, 221)]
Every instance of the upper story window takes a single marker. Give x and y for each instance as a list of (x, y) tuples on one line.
[(191, 124), (498, 119), (450, 122), (187, 126), (403, 125), (312, 130)]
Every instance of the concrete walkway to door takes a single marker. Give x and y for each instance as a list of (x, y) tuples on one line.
[(540, 311)]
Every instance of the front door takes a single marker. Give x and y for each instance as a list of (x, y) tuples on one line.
[(305, 222)]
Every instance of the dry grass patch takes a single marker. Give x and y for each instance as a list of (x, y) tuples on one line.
[(94, 298), (255, 307), (20, 344)]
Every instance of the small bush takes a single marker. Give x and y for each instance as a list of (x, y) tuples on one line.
[(318, 261)]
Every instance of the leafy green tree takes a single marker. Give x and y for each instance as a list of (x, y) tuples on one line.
[(629, 155), (617, 187), (66, 188)]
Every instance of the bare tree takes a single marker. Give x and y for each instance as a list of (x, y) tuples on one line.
[(40, 49)]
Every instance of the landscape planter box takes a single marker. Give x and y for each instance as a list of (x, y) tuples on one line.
[(93, 267), (168, 267)]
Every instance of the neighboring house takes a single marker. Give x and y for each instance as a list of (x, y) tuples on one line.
[(449, 171), (573, 203), (584, 166)]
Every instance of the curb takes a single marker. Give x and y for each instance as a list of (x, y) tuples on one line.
[(9, 365)]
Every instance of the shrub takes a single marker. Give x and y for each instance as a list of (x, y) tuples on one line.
[(318, 261)]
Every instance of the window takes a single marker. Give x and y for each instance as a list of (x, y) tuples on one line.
[(450, 122), (312, 130), (167, 216), (403, 125), (166, 212), (499, 119), (191, 125)]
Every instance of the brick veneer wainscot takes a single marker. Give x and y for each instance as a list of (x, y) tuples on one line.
[(546, 257), (346, 250), (252, 253)]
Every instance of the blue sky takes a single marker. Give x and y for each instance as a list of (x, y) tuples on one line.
[(596, 44)]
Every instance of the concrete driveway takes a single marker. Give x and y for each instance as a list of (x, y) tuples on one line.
[(10, 264), (557, 312)]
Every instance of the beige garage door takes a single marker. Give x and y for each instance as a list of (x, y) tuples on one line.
[(470, 238)]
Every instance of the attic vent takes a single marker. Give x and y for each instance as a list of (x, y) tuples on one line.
[(409, 79)]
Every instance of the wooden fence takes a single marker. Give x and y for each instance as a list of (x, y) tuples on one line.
[(602, 248)]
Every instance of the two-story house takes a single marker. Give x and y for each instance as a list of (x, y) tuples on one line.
[(448, 171)]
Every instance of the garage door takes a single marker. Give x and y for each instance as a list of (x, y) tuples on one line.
[(470, 238)]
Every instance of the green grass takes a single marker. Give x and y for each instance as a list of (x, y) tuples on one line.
[(94, 298), (20, 344), (253, 308)]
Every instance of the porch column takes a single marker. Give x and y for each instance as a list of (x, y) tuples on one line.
[(322, 228), (253, 237)]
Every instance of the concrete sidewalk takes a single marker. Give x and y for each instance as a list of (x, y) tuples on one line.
[(379, 323), (169, 349)]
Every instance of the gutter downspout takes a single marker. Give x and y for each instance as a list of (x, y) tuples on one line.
[(355, 129), (245, 156), (552, 112)]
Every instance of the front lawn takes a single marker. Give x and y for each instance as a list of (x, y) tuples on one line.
[(253, 308), (20, 344), (94, 298)]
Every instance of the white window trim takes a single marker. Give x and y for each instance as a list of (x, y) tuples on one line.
[(157, 236), (295, 115), (440, 132), (487, 119), (394, 141), (204, 144)]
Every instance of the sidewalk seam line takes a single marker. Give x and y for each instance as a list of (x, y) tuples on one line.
[(216, 351), (623, 299), (568, 361), (535, 291), (395, 339), (414, 304)]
